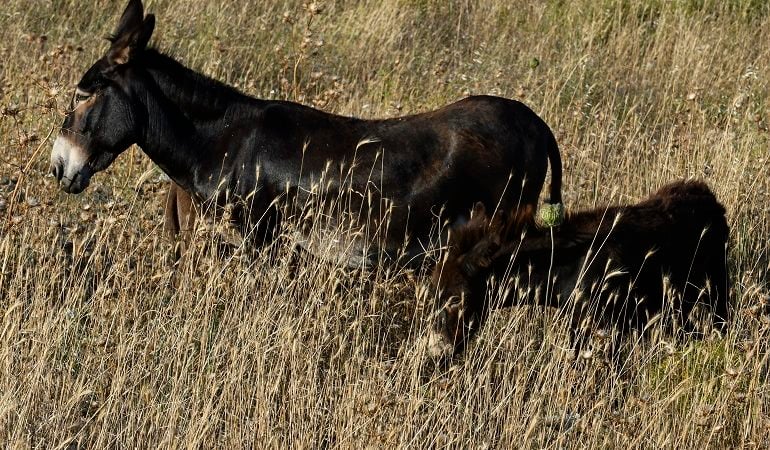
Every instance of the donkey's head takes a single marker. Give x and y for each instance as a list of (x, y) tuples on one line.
[(103, 120), (459, 281)]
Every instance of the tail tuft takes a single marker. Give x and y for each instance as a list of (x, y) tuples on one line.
[(550, 215)]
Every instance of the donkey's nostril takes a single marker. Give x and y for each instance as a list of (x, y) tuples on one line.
[(56, 172)]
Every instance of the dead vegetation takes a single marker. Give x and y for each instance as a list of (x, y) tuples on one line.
[(104, 344)]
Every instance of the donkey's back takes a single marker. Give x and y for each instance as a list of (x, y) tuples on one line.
[(674, 243)]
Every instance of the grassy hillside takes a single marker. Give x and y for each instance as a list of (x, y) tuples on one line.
[(104, 344)]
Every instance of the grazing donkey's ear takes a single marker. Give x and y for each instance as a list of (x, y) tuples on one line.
[(481, 255), (132, 34), (479, 212)]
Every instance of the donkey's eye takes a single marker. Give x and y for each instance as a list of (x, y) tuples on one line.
[(453, 300), (81, 96)]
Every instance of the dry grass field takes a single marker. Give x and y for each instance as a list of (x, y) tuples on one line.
[(105, 344)]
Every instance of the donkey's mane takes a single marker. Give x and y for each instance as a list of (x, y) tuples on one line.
[(502, 227), (189, 86)]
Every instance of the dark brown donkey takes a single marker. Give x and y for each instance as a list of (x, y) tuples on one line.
[(223, 147), (617, 266)]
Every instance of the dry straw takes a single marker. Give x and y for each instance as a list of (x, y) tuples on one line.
[(105, 344)]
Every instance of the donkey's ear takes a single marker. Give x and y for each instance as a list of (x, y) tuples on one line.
[(480, 256), (497, 223), (479, 211), (132, 18), (132, 34)]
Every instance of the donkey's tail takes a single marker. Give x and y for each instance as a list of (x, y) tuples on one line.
[(554, 159), (552, 213)]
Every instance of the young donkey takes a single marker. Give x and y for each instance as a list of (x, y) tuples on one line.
[(615, 266), (221, 147)]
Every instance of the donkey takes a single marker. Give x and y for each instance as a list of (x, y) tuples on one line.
[(615, 266), (225, 148)]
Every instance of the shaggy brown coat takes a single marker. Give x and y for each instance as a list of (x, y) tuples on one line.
[(618, 265)]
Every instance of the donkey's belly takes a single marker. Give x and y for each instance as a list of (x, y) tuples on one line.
[(358, 251), (332, 246)]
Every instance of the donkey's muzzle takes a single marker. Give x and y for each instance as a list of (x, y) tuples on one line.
[(69, 165), (438, 346), (74, 184)]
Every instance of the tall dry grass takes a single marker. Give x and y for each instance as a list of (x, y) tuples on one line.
[(104, 344)]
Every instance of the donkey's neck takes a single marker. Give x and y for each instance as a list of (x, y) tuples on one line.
[(188, 115)]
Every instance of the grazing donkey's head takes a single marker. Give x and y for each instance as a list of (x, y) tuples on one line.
[(103, 120), (460, 278)]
